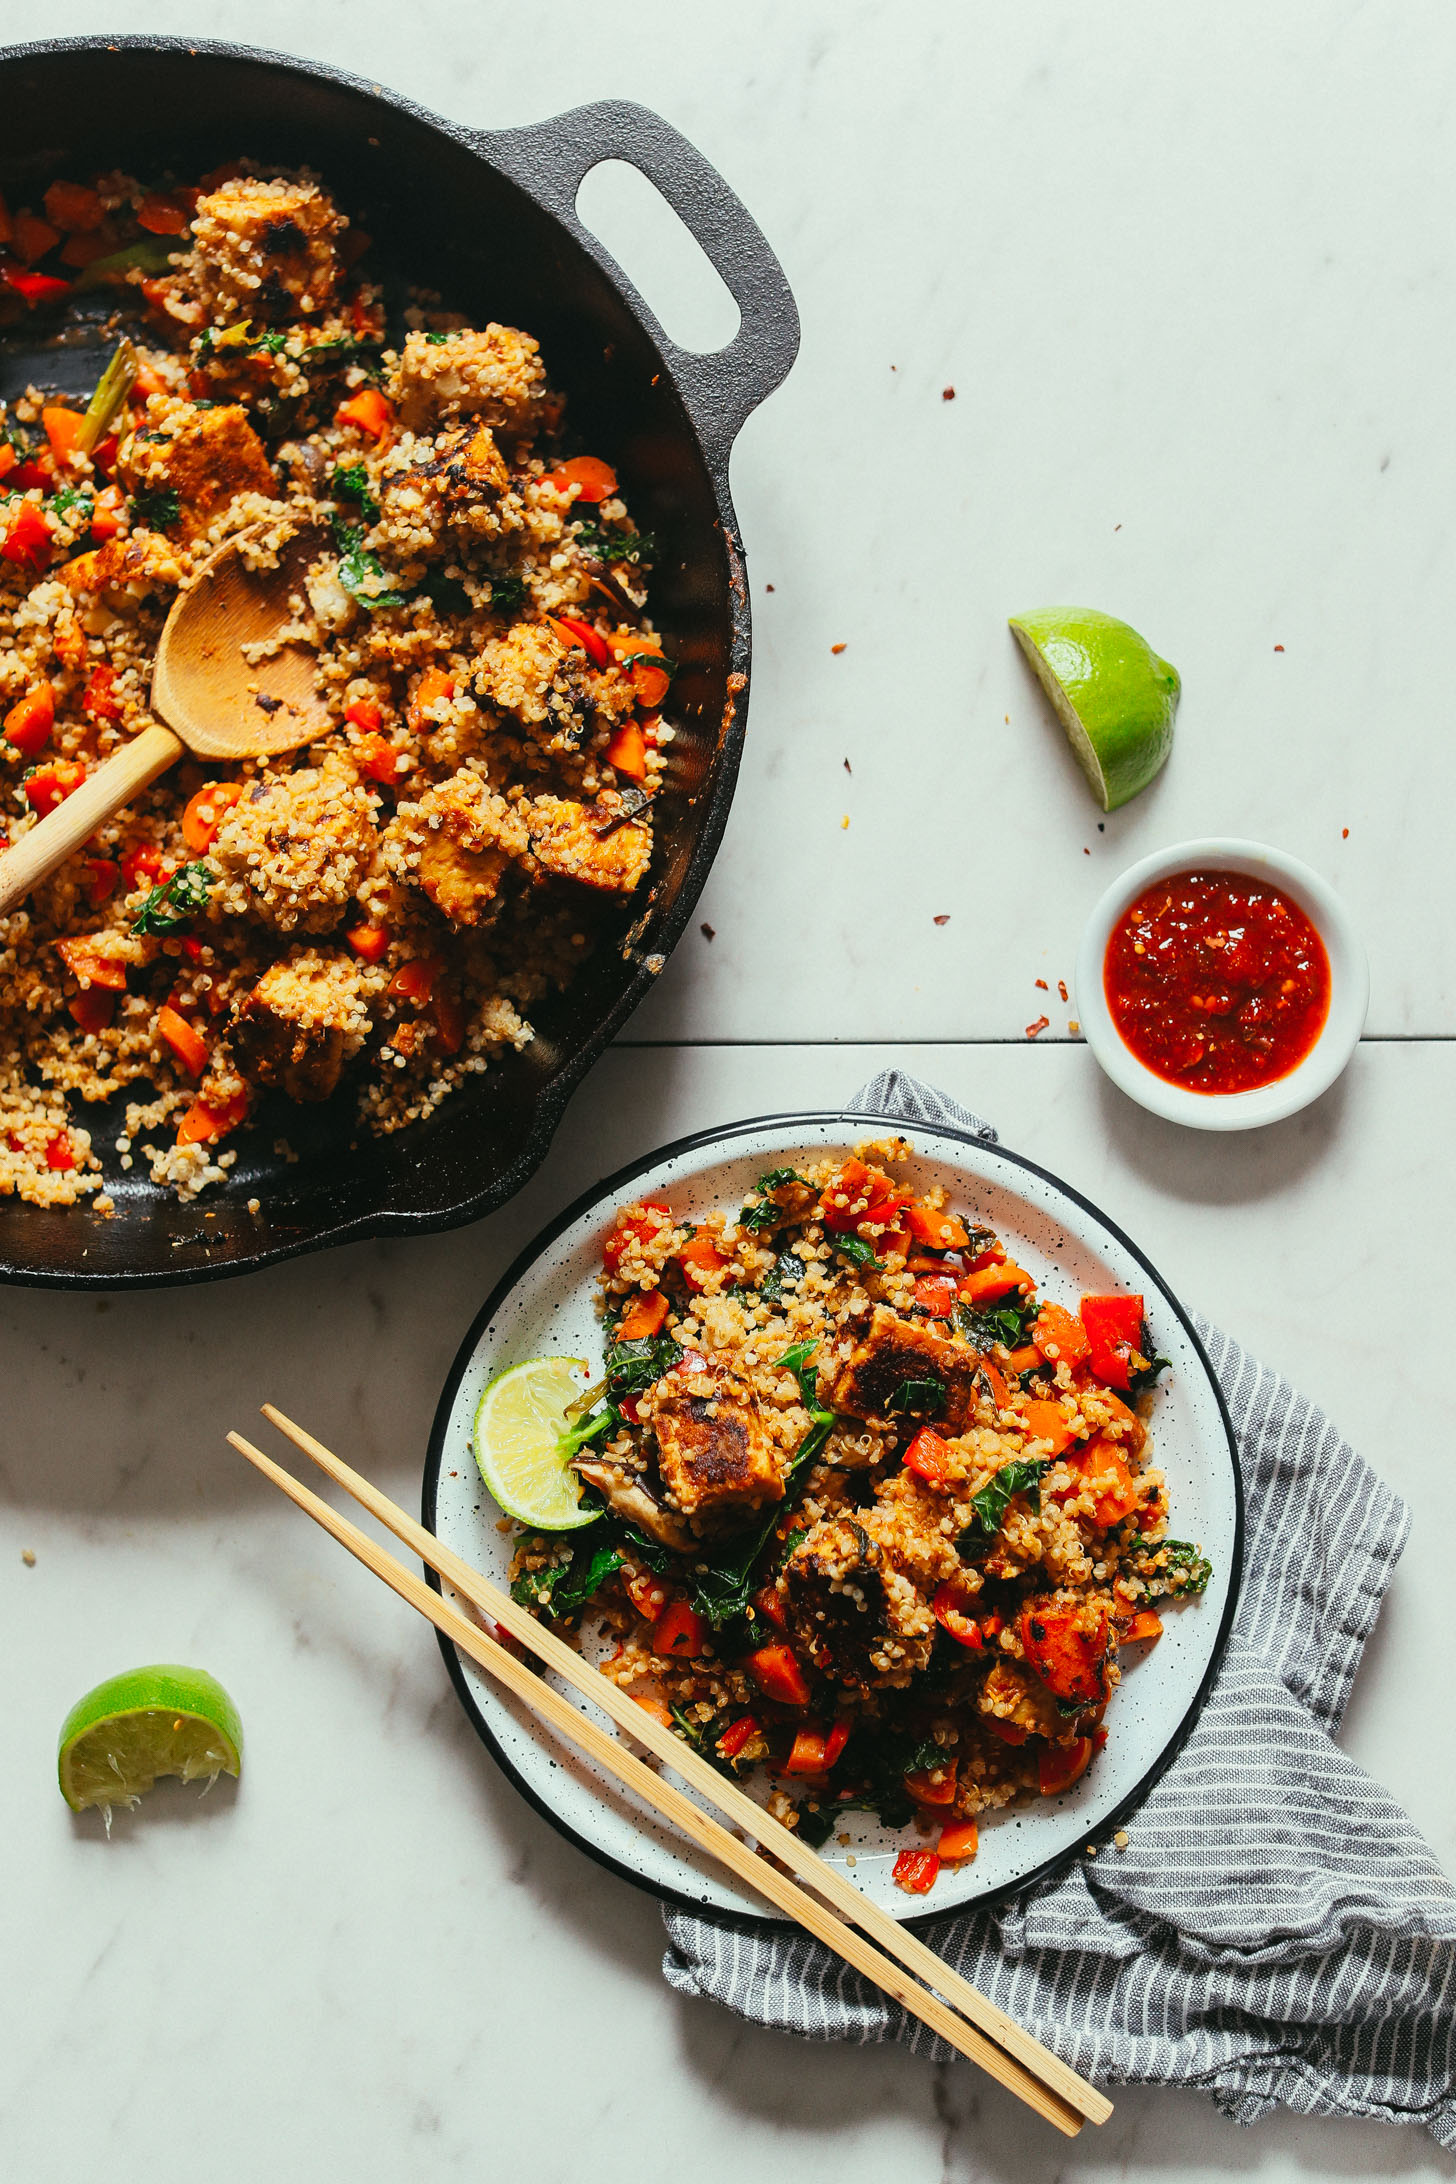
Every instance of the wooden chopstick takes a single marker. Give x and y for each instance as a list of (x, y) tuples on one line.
[(757, 1873), (726, 1796)]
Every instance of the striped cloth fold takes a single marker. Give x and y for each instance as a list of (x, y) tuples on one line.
[(1276, 1930)]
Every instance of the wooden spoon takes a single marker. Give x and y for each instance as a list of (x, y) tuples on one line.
[(220, 704)]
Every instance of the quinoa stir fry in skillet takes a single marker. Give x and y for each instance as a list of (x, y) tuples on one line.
[(383, 908), (875, 1518)]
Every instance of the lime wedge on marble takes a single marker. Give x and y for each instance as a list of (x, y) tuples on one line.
[(148, 1722), (1113, 695), (521, 1444)]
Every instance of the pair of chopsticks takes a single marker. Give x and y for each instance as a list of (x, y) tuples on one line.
[(855, 1929)]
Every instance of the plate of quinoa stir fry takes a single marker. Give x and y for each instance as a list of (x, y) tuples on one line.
[(899, 1485), (374, 916)]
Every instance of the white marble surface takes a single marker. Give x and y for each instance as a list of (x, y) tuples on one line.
[(1188, 273)]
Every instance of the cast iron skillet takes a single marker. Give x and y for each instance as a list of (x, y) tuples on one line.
[(489, 220)]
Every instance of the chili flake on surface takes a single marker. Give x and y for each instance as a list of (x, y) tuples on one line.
[(1216, 981)]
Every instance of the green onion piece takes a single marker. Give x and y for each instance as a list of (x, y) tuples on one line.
[(107, 403)]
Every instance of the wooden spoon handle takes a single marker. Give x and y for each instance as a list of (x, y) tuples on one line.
[(62, 831)]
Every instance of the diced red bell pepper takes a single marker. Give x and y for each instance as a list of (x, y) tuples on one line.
[(102, 874), (700, 1259), (415, 980), (916, 1871), (1114, 1327), (369, 942), (447, 1013), (647, 1593), (815, 1750), (959, 1842), (29, 722), (97, 698), (926, 1457), (27, 540), (770, 1606), (93, 1009), (591, 641), (936, 1294), (206, 811), (595, 480), (141, 865), (60, 1155), (680, 1631), (73, 207), (948, 1608), (941, 1231), (376, 757), (634, 1228), (737, 1734), (1059, 1335), (1058, 1766), (860, 1198), (163, 216), (84, 960), (369, 410), (933, 1785), (776, 1671), (34, 288), (46, 786), (1009, 1732)]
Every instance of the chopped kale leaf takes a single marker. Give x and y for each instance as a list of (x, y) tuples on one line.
[(1023, 1475), (506, 593), (604, 544), (171, 904), (564, 1589), (786, 1272), (985, 1326), (922, 1398), (157, 511), (764, 1210), (1186, 1571), (815, 1825), (798, 1361), (360, 571), (633, 1367), (856, 1250), (350, 481)]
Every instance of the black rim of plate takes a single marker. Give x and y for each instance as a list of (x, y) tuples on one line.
[(609, 1187)]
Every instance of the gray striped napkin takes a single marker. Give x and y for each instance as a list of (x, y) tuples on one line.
[(1276, 1930)]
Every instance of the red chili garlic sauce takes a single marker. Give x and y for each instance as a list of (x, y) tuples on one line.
[(1216, 981)]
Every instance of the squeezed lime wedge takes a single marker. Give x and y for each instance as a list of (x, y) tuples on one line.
[(1113, 695)]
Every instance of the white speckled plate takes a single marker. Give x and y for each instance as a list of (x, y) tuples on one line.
[(545, 1304)]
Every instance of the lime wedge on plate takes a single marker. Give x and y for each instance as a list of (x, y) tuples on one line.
[(155, 1721), (520, 1428), (1113, 695)]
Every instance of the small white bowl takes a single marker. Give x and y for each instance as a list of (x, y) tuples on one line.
[(1349, 989)]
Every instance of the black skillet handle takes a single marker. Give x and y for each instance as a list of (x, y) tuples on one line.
[(551, 159)]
